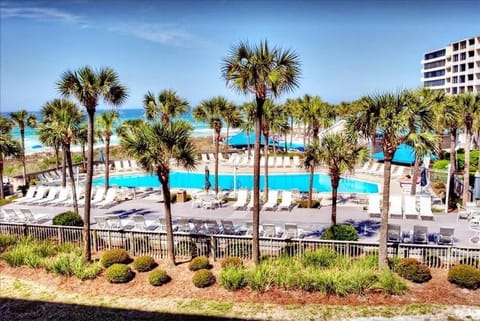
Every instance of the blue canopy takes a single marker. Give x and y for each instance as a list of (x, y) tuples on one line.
[(404, 155), (241, 139)]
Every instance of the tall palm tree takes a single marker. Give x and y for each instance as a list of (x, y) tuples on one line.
[(340, 153), (8, 146), (154, 145), (390, 114), (48, 138), (315, 113), (263, 71), (311, 161), (168, 104), (292, 107), (23, 119), (214, 112), (88, 86), (469, 105), (105, 123)]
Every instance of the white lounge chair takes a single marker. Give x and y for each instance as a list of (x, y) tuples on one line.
[(62, 196), (380, 170), (241, 200), (373, 169), (118, 165), (52, 193), (291, 231), (139, 222), (110, 199), (287, 201), (395, 210), (278, 161), (134, 165), (101, 221), (30, 217), (41, 193), (13, 215), (410, 208), (126, 165), (420, 234), (374, 205), (296, 161), (286, 161), (393, 233), (212, 227), (99, 195), (271, 162), (445, 237), (269, 230), (426, 208), (250, 203), (227, 227), (29, 196), (205, 158), (272, 201), (364, 168)]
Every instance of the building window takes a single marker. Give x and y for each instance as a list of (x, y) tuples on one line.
[(455, 79), (435, 54), (470, 65), (455, 68), (463, 56), (436, 73), (462, 67), (471, 53), (455, 46), (471, 41), (462, 79), (435, 64), (454, 90), (439, 82), (463, 44), (470, 88), (455, 57), (470, 77)]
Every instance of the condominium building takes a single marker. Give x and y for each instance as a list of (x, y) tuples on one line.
[(454, 68)]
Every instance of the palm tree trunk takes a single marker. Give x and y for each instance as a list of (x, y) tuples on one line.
[(88, 186), (57, 157), (83, 156), (265, 169), (416, 165), (248, 145), (107, 162), (335, 181), (466, 170), (453, 167), (256, 182), (2, 196), (226, 141), (217, 150), (72, 176), (382, 253), (291, 134), (24, 164), (164, 181), (64, 166), (310, 186)]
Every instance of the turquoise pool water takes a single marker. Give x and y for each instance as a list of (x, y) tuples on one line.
[(179, 179)]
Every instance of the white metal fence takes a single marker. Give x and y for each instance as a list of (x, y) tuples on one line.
[(187, 245)]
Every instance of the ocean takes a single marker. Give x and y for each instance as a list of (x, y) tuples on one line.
[(33, 145)]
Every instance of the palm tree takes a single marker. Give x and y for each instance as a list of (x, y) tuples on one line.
[(8, 146), (311, 161), (233, 119), (292, 107), (469, 105), (340, 153), (154, 145), (391, 115), (214, 112), (23, 119), (315, 113), (263, 71), (248, 110), (88, 86), (168, 105), (105, 123)]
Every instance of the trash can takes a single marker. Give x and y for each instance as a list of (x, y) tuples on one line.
[(181, 196)]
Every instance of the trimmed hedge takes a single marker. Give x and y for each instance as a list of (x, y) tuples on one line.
[(465, 276), (199, 263), (114, 256), (158, 277), (119, 273), (144, 263), (413, 270), (340, 233), (68, 219), (203, 278)]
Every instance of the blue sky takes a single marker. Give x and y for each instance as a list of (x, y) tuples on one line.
[(347, 48)]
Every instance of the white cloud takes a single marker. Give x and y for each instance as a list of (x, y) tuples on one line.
[(159, 34), (38, 13)]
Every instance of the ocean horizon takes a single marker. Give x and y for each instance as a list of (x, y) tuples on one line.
[(33, 144)]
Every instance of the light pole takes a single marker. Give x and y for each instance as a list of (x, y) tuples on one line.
[(448, 188), (235, 163)]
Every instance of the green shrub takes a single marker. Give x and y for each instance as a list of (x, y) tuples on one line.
[(232, 261), (304, 204), (241, 249), (68, 219), (119, 273), (413, 270), (69, 248), (158, 277), (469, 261), (465, 276), (114, 256), (260, 277), (199, 263), (60, 264), (29, 252), (203, 278), (84, 270), (322, 257), (7, 241), (340, 233), (389, 283), (233, 277), (441, 164), (144, 263)]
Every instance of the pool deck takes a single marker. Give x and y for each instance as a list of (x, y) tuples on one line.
[(308, 220)]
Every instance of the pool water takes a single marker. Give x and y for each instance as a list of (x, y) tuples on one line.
[(180, 179)]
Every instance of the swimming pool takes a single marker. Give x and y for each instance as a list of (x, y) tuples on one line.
[(181, 179)]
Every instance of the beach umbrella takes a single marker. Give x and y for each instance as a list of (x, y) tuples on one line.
[(207, 179), (101, 158)]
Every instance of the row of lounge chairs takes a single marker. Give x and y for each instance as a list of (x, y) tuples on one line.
[(244, 202), (124, 165), (420, 235), (377, 169), (245, 160), (62, 196), (24, 216), (406, 208)]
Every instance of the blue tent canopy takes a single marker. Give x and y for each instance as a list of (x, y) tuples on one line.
[(241, 139), (404, 155)]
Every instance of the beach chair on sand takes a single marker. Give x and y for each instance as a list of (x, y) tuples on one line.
[(420, 234), (393, 233), (287, 201), (395, 210), (241, 200), (445, 237), (374, 205)]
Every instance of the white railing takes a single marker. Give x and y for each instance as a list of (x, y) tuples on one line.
[(217, 247)]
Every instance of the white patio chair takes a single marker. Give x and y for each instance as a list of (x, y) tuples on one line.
[(395, 209), (28, 196), (269, 230), (241, 200), (445, 236), (40, 194), (286, 161), (420, 234), (227, 227), (110, 199), (62, 196), (426, 208), (394, 233), (374, 209), (287, 201), (30, 217), (272, 201), (410, 208), (52, 193)]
